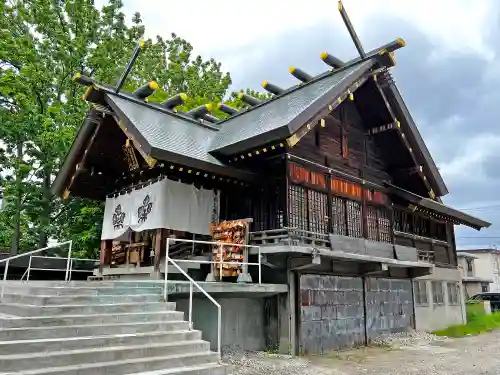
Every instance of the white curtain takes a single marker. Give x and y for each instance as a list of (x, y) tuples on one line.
[(163, 204)]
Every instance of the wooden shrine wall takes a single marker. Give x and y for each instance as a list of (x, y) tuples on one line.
[(433, 239), (265, 205), (323, 203), (343, 144)]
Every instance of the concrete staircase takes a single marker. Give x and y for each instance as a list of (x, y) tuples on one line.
[(94, 328)]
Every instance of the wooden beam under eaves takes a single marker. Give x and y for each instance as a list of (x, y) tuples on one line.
[(80, 167), (151, 162), (384, 98), (303, 130), (383, 128), (406, 171)]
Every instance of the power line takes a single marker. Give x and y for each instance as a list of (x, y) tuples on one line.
[(479, 237), (479, 208)]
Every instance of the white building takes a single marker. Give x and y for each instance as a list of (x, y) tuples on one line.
[(486, 265)]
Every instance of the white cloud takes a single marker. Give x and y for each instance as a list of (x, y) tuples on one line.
[(213, 26), (474, 152)]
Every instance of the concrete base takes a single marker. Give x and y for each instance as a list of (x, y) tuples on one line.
[(210, 278), (431, 316), (244, 278), (319, 256), (222, 289)]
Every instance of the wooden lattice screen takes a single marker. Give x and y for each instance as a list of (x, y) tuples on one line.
[(339, 220)]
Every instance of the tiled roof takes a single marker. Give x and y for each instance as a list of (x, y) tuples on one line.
[(278, 116), (165, 132)]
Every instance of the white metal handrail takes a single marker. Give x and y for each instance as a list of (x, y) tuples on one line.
[(191, 283), (27, 273), (31, 253), (220, 263)]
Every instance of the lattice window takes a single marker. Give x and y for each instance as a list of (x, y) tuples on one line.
[(297, 207), (260, 214), (453, 293), (384, 225), (339, 216), (437, 293), (420, 292), (371, 221), (354, 224), (318, 211)]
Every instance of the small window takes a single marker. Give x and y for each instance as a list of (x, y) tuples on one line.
[(420, 292), (437, 293), (469, 265), (485, 287), (453, 293)]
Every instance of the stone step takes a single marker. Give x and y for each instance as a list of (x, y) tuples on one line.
[(31, 361), (82, 342), (43, 300), (79, 291), (36, 333), (83, 284), (17, 309), (208, 369), (96, 319), (128, 366)]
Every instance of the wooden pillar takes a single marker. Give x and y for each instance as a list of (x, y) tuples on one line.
[(159, 241), (364, 208), (286, 221), (105, 254)]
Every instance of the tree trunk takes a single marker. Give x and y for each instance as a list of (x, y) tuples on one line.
[(43, 237), (16, 237)]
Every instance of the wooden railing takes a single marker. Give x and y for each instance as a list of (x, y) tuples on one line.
[(425, 255), (289, 236)]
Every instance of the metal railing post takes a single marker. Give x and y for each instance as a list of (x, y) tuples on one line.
[(5, 277), (220, 263), (190, 305), (260, 268), (219, 332), (68, 261), (165, 284), (193, 284), (70, 269), (29, 269)]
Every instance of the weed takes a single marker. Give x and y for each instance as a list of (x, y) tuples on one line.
[(477, 322)]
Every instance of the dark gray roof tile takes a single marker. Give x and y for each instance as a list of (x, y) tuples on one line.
[(279, 112), (167, 132)]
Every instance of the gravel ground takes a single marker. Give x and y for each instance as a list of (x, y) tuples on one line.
[(401, 354)]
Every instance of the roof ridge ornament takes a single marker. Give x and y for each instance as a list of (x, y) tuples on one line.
[(300, 74), (227, 109), (350, 29), (272, 88), (174, 101), (147, 90), (331, 60), (200, 111), (248, 99), (141, 44)]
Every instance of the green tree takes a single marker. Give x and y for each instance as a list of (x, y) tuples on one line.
[(42, 44)]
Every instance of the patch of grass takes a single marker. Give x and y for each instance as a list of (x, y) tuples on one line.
[(477, 322)]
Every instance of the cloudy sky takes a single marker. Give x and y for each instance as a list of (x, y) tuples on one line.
[(448, 73)]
